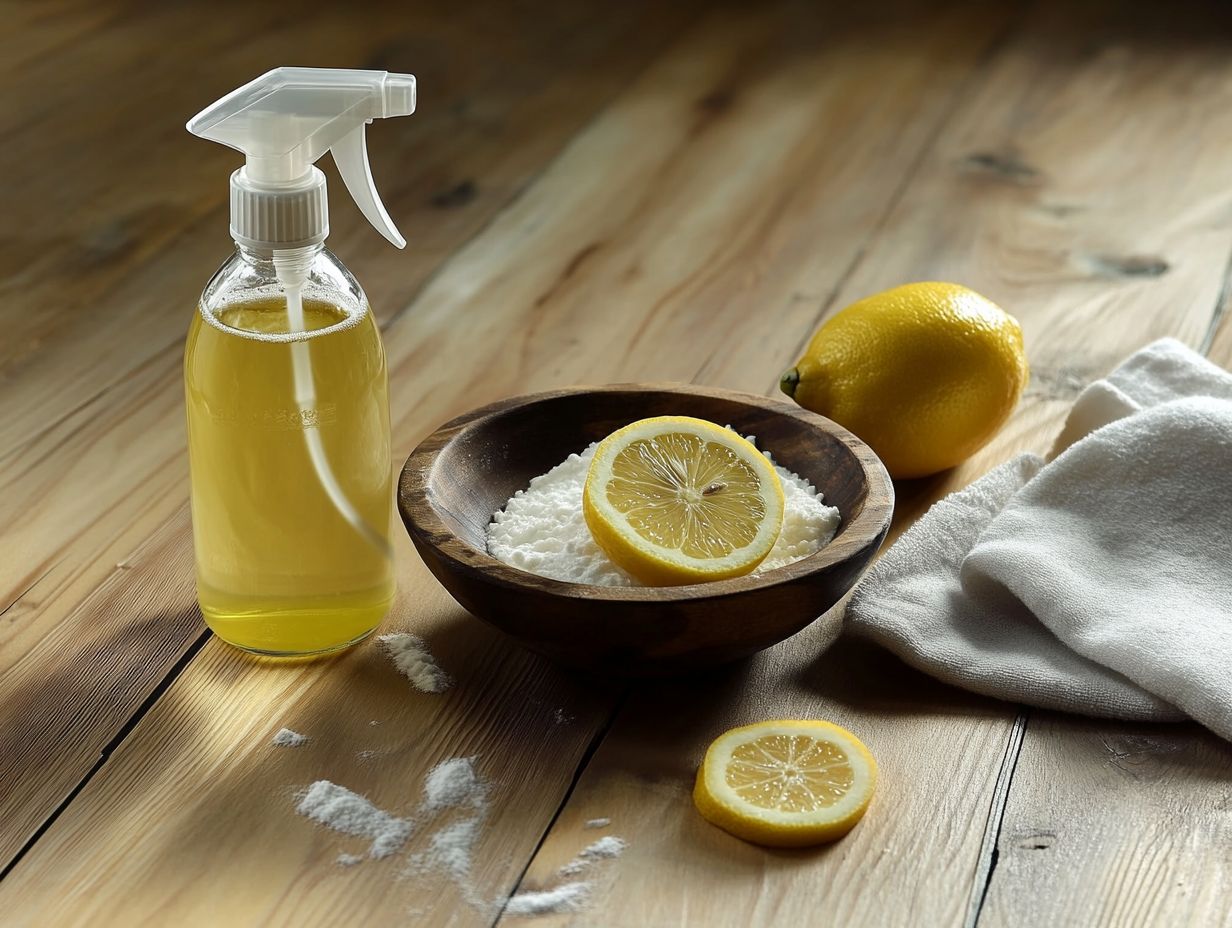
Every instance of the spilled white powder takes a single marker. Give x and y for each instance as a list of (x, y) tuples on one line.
[(412, 658), (338, 808), (450, 849), (605, 848), (289, 739), (568, 897), (348, 860), (597, 823), (542, 530), (452, 783)]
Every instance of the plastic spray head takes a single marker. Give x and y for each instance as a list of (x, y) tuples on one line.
[(283, 122)]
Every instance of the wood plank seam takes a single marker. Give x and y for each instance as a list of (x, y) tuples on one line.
[(1220, 309), (33, 583), (110, 748), (987, 861), (1014, 743), (160, 357), (591, 749), (960, 92)]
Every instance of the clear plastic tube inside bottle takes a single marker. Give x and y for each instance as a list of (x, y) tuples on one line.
[(292, 267)]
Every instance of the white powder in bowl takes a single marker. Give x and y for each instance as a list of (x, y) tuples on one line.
[(542, 530)]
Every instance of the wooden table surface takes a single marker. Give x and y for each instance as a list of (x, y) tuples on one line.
[(591, 192)]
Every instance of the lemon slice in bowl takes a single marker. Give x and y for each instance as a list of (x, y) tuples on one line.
[(676, 500), (786, 783)]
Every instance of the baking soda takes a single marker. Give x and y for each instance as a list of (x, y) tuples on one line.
[(289, 739), (568, 897), (338, 808), (597, 823), (452, 783), (411, 657), (542, 529), (450, 850), (604, 849)]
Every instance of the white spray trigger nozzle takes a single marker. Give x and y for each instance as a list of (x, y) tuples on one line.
[(351, 156), (283, 122)]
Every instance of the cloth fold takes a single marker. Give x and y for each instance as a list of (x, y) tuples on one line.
[(1099, 582)]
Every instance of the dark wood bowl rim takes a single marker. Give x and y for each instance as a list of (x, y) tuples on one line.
[(865, 530)]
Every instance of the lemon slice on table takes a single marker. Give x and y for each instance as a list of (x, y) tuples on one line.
[(786, 783), (677, 500)]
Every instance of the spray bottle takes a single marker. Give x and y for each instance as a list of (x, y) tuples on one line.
[(285, 378)]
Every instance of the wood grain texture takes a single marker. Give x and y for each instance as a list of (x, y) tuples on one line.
[(1124, 825), (470, 467), (92, 462), (1069, 188), (909, 862), (527, 306), (1156, 847), (767, 168), (198, 806)]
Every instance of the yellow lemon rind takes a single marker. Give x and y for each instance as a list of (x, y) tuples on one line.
[(925, 373), (662, 566), (720, 806)]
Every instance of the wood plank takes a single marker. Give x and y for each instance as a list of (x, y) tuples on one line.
[(1124, 824), (1157, 852), (91, 411), (1051, 191), (937, 749), (72, 351), (671, 160)]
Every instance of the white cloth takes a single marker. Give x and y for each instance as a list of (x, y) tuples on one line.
[(1099, 583)]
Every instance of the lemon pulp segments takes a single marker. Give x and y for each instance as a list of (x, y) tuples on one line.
[(681, 500), (786, 783), (791, 773), (680, 491)]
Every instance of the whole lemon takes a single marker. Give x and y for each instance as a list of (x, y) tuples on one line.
[(926, 373)]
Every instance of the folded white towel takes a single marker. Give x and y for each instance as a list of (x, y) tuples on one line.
[(1099, 583)]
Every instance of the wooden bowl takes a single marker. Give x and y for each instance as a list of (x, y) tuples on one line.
[(466, 470)]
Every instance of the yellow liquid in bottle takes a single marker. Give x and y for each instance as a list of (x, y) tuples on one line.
[(280, 569)]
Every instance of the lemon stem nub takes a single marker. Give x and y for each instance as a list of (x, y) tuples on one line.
[(789, 381)]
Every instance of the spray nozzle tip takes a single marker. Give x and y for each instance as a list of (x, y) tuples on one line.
[(399, 95)]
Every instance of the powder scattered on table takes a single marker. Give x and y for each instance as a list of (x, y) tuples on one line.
[(348, 860), (338, 808), (568, 897), (605, 848), (411, 657), (450, 849), (289, 739), (451, 783), (597, 823), (542, 529)]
